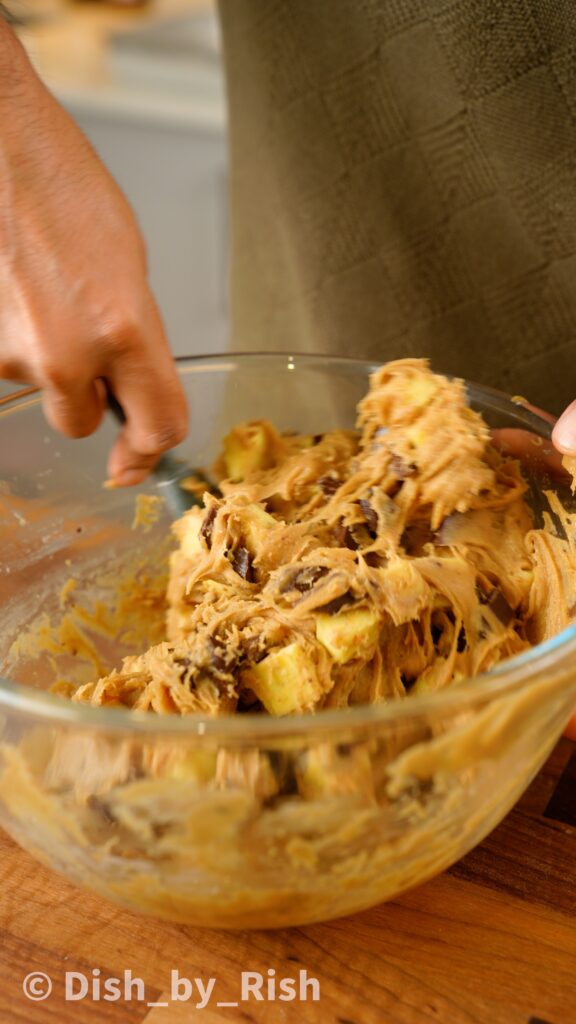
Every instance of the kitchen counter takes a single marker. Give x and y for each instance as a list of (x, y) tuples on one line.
[(492, 941), (69, 45)]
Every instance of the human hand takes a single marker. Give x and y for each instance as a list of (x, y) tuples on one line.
[(564, 433), (75, 307), (531, 448), (558, 457)]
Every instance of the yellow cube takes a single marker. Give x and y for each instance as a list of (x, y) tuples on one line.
[(349, 634), (285, 681)]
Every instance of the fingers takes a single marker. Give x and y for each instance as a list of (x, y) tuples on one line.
[(564, 433), (148, 388), (136, 362), (155, 422), (530, 448), (75, 410)]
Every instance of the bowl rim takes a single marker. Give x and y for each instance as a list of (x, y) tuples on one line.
[(507, 678)]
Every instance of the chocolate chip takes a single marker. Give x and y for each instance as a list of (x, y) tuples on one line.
[(373, 559), (214, 659), (282, 765), (98, 805), (499, 605), (395, 489), (343, 749), (242, 564), (189, 671), (328, 485), (304, 579), (344, 537), (436, 633), (254, 648), (307, 578), (401, 468), (337, 603), (370, 515), (208, 525), (221, 657), (407, 681)]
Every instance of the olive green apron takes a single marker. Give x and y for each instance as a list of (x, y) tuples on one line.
[(403, 182)]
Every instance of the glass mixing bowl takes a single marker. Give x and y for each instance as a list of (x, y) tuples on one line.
[(240, 821)]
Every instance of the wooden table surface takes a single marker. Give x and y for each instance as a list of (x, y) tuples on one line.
[(493, 941)]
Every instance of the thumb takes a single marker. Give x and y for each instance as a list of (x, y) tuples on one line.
[(564, 433)]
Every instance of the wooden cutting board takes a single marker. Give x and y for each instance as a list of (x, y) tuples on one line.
[(493, 941)]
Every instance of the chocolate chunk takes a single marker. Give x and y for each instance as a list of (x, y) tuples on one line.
[(189, 673), (208, 525), (222, 659), (334, 606), (370, 515), (328, 485), (499, 605), (304, 579), (101, 808), (344, 537), (254, 648), (282, 765), (344, 749), (395, 489), (436, 633), (373, 559), (242, 564), (401, 468), (215, 659), (462, 642)]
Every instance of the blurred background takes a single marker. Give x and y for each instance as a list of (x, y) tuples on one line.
[(144, 81)]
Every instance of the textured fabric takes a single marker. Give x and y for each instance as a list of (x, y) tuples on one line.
[(403, 182)]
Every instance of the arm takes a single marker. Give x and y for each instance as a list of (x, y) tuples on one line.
[(75, 306)]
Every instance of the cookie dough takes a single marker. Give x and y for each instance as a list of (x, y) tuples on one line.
[(353, 567)]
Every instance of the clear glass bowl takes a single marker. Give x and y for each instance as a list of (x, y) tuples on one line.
[(242, 821)]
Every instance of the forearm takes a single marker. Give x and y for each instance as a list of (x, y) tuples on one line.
[(16, 71), (75, 306)]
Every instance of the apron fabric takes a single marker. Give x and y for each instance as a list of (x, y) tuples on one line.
[(403, 182)]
